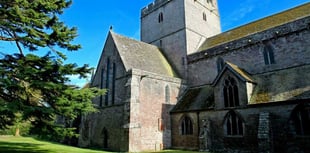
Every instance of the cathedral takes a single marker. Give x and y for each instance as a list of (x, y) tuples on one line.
[(186, 85)]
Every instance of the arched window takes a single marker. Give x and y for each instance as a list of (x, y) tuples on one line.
[(105, 135), (204, 16), (113, 82), (233, 124), (268, 55), (220, 64), (107, 85), (186, 126), (101, 85), (160, 17), (301, 119), (167, 94), (230, 92)]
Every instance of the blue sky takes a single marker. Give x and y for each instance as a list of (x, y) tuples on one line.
[(93, 19)]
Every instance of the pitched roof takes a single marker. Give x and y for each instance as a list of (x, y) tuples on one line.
[(257, 26), (240, 73), (139, 55), (198, 98)]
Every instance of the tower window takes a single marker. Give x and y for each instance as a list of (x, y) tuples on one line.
[(204, 16), (160, 17), (230, 92), (268, 55), (210, 1), (233, 124), (186, 126)]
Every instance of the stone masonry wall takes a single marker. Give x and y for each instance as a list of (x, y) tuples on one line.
[(149, 128), (289, 43), (105, 129), (279, 115)]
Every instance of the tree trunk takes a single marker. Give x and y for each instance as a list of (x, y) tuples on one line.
[(17, 132)]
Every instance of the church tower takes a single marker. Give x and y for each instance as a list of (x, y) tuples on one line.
[(179, 27)]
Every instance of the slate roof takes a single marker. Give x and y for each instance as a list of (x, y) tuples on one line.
[(198, 98), (257, 26), (240, 73), (139, 55)]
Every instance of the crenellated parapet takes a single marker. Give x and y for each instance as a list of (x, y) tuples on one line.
[(153, 6)]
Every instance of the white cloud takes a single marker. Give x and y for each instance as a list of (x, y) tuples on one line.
[(243, 11)]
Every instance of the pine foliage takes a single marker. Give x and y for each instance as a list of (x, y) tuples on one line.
[(37, 86)]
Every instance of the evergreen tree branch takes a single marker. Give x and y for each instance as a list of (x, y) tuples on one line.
[(17, 44)]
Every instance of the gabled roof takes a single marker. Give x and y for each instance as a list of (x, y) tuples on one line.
[(257, 26), (237, 71), (139, 55), (198, 98)]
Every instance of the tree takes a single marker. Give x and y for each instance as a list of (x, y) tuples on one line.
[(37, 86)]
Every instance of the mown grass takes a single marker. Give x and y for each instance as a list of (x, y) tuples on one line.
[(11, 144), (176, 151)]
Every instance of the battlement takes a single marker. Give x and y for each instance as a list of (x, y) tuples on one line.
[(153, 6)]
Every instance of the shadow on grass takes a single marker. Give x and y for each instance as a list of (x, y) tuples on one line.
[(10, 147)]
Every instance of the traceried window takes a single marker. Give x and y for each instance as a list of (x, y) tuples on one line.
[(220, 64), (301, 119), (233, 124), (186, 126), (230, 92), (160, 17), (268, 55)]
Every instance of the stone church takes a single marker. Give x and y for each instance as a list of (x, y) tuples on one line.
[(186, 85)]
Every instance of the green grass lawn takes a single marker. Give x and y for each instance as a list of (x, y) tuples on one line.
[(11, 144)]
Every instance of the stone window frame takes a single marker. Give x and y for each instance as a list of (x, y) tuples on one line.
[(186, 126), (300, 118), (234, 124), (231, 92), (268, 53), (160, 17)]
